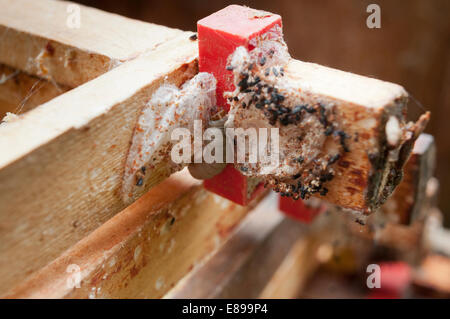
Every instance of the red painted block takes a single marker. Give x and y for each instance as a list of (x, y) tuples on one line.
[(395, 276), (395, 279), (218, 37), (221, 33), (298, 210), (231, 184)]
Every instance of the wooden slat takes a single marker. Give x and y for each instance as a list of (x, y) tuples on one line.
[(316, 247), (45, 45), (78, 151), (404, 212), (20, 92), (242, 267), (143, 251), (253, 278), (267, 257), (61, 164), (295, 270), (369, 172), (408, 202)]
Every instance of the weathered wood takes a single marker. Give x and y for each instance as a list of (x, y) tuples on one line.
[(20, 92), (364, 103), (316, 248), (369, 172), (42, 39), (242, 267), (294, 272), (409, 202), (62, 163), (144, 250), (253, 278), (399, 222), (78, 151)]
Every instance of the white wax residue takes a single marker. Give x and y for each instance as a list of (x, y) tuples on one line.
[(169, 108)]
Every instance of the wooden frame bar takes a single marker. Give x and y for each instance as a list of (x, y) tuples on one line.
[(144, 250), (246, 262), (368, 173), (20, 92), (48, 41), (62, 163)]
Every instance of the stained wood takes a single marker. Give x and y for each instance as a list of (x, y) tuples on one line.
[(400, 223), (20, 92), (144, 250), (244, 265), (78, 151), (409, 201), (62, 163), (294, 272), (366, 175)]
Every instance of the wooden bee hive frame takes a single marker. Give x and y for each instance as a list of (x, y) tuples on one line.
[(61, 163)]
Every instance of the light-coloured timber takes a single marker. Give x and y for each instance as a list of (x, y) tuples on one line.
[(43, 38), (245, 263), (144, 250), (369, 172), (61, 164), (20, 92), (294, 272), (76, 144), (253, 278), (306, 254), (365, 104)]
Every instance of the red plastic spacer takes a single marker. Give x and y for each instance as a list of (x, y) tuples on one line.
[(218, 37), (297, 209)]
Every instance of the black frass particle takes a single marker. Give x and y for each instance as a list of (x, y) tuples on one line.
[(342, 137), (310, 109), (297, 109), (262, 61), (328, 130)]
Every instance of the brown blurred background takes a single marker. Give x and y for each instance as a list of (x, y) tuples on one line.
[(412, 47)]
